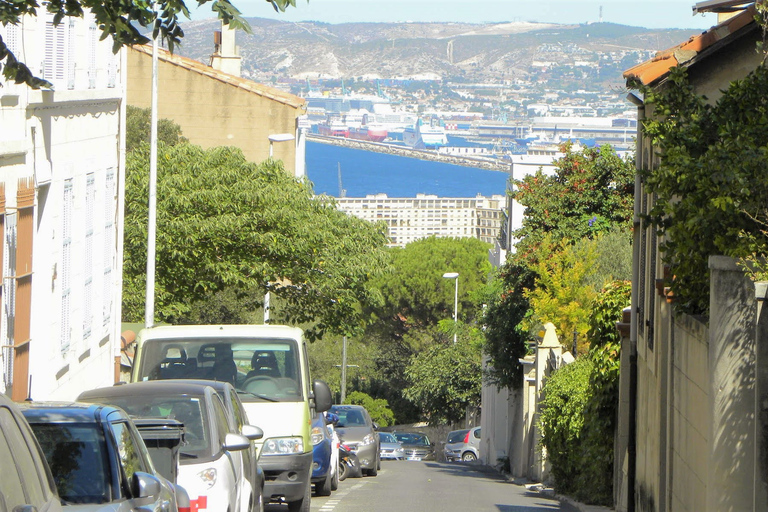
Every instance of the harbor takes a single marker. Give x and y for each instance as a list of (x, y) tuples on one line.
[(486, 163)]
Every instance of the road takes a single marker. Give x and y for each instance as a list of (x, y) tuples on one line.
[(430, 486)]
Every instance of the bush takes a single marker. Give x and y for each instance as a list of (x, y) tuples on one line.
[(378, 408)]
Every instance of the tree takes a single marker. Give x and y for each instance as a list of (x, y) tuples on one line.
[(377, 408), (591, 190), (415, 293), (227, 223), (137, 129), (121, 20), (446, 379)]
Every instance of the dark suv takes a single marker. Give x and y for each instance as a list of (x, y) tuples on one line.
[(97, 457), (27, 484)]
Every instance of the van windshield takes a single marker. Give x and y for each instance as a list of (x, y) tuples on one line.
[(263, 369)]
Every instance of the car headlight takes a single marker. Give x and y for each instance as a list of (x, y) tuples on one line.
[(208, 476), (283, 446), (369, 439), (317, 435)]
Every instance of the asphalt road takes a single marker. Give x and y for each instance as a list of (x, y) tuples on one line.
[(406, 486)]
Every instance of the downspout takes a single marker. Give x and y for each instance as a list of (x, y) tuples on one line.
[(632, 427)]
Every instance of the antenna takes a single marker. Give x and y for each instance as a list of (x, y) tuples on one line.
[(342, 192), (601, 14)]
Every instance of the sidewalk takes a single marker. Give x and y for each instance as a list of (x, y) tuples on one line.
[(569, 504)]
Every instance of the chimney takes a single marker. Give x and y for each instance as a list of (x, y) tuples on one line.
[(226, 54)]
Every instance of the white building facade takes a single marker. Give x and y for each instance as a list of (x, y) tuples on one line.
[(413, 218), (61, 172)]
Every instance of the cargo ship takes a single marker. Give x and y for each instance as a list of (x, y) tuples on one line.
[(335, 128), (369, 132)]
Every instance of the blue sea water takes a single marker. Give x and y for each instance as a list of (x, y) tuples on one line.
[(368, 172)]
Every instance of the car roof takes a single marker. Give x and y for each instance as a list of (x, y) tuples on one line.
[(69, 412), (214, 332), (174, 387)]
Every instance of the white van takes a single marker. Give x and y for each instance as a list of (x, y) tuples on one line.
[(269, 368)]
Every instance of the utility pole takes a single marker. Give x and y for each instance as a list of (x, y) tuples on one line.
[(343, 370)]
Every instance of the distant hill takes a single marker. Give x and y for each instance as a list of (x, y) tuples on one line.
[(427, 50)]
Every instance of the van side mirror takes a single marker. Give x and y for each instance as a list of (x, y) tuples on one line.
[(252, 432), (323, 399), (144, 485)]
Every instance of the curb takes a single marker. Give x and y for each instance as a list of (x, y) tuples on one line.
[(569, 503)]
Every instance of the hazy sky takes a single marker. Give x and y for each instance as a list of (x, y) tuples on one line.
[(639, 13)]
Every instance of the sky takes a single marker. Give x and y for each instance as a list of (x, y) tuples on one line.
[(638, 13)]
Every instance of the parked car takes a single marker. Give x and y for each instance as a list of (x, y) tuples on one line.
[(416, 445), (453, 444), (211, 469), (469, 451), (27, 483), (389, 447), (97, 457), (323, 472), (268, 366), (356, 430)]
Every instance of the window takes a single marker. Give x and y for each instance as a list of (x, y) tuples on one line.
[(9, 297), (130, 458), (109, 245), (66, 262), (220, 419), (90, 199), (56, 62)]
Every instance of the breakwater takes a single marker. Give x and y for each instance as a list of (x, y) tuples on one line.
[(490, 164)]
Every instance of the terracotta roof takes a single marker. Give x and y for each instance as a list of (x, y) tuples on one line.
[(214, 74), (657, 68)]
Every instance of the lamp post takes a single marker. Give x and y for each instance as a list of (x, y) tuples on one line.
[(454, 275), (279, 137)]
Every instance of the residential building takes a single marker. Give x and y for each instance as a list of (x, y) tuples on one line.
[(412, 218), (61, 195), (692, 415), (216, 108)]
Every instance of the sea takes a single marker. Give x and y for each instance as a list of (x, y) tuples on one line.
[(369, 172)]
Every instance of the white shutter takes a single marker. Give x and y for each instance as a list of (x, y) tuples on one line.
[(9, 297), (93, 43), (66, 262), (109, 244), (55, 64), (90, 199)]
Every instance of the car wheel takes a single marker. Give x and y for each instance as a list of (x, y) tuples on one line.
[(324, 488), (374, 470), (302, 505), (468, 457)]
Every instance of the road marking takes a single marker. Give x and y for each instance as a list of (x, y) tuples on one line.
[(331, 504)]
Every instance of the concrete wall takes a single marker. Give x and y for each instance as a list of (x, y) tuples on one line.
[(213, 110)]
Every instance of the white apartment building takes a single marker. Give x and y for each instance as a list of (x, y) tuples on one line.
[(413, 218), (61, 192)]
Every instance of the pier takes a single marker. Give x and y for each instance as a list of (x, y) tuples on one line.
[(490, 164)]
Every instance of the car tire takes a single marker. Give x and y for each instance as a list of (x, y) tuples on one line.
[(343, 470), (302, 505), (468, 457), (324, 488), (374, 470)]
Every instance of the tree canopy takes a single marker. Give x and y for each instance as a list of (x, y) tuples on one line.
[(228, 223), (122, 21)]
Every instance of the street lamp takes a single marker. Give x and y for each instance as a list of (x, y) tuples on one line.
[(279, 137), (454, 275)]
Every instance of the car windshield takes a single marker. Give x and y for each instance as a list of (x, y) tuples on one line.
[(412, 439), (349, 417), (386, 437), (457, 436), (189, 410), (263, 369), (76, 454)]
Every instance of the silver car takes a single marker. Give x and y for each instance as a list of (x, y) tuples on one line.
[(355, 429), (467, 449), (453, 444), (389, 448)]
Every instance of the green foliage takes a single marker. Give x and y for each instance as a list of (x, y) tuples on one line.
[(591, 190), (606, 310), (505, 339), (580, 405), (710, 183), (137, 129), (226, 223), (565, 397), (562, 294), (445, 380), (125, 22), (377, 408), (613, 256), (415, 292)]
